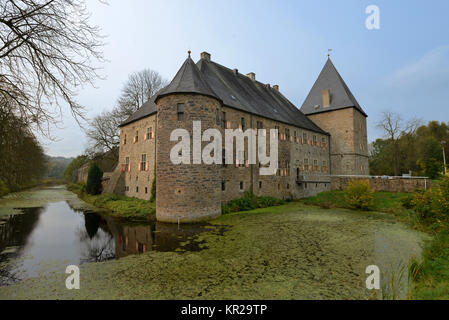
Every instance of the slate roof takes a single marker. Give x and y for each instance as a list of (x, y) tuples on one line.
[(341, 96), (188, 79), (233, 89)]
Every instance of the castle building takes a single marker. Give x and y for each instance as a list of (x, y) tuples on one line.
[(327, 136)]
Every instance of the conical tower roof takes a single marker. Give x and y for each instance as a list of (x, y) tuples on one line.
[(188, 79), (340, 95)]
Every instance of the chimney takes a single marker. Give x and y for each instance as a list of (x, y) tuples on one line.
[(236, 71), (276, 87), (326, 98), (205, 55), (251, 75)]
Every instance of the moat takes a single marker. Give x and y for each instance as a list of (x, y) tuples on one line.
[(292, 251), (44, 238)]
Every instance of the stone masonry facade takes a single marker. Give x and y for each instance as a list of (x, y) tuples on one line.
[(311, 146), (348, 148), (304, 162)]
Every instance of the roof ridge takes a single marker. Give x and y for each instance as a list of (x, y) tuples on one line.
[(341, 95)]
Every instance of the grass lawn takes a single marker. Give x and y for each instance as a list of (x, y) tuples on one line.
[(383, 201), (118, 206)]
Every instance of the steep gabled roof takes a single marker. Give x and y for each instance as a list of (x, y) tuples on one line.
[(233, 90), (340, 95), (188, 80), (240, 92)]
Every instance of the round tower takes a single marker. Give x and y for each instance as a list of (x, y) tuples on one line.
[(186, 192)]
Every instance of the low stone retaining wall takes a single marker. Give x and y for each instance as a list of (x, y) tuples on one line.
[(389, 184)]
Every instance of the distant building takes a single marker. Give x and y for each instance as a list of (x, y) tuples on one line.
[(327, 136)]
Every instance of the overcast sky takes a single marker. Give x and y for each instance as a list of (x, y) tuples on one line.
[(403, 66)]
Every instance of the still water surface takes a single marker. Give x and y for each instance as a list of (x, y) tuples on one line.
[(46, 238)]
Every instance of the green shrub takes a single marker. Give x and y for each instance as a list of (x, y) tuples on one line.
[(422, 203), (94, 176), (358, 195), (441, 199), (153, 188), (407, 201), (249, 201)]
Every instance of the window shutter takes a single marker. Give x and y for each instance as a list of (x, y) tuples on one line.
[(147, 166), (228, 124), (246, 163)]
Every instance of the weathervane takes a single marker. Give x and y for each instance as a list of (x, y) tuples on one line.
[(189, 52), (329, 52)]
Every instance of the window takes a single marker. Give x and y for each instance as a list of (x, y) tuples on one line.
[(306, 164), (314, 141), (223, 120), (287, 134), (217, 117), (136, 138), (260, 184), (241, 158), (180, 111), (297, 173), (259, 125), (279, 132), (288, 186), (287, 166), (241, 185), (243, 124), (304, 138), (124, 139), (150, 133), (223, 185), (127, 164), (146, 189), (143, 163), (137, 189)]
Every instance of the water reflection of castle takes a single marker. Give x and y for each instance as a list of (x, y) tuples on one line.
[(138, 239)]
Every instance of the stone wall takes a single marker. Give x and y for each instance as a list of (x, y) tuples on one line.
[(389, 184), (349, 143), (292, 154), (138, 179), (194, 192), (186, 192)]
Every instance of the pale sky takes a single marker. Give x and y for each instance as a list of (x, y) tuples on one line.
[(402, 67)]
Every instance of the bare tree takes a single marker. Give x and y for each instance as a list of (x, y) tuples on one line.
[(394, 127), (103, 132), (48, 49), (139, 88)]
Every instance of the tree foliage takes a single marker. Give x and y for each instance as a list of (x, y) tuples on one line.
[(76, 163), (419, 151), (22, 159)]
